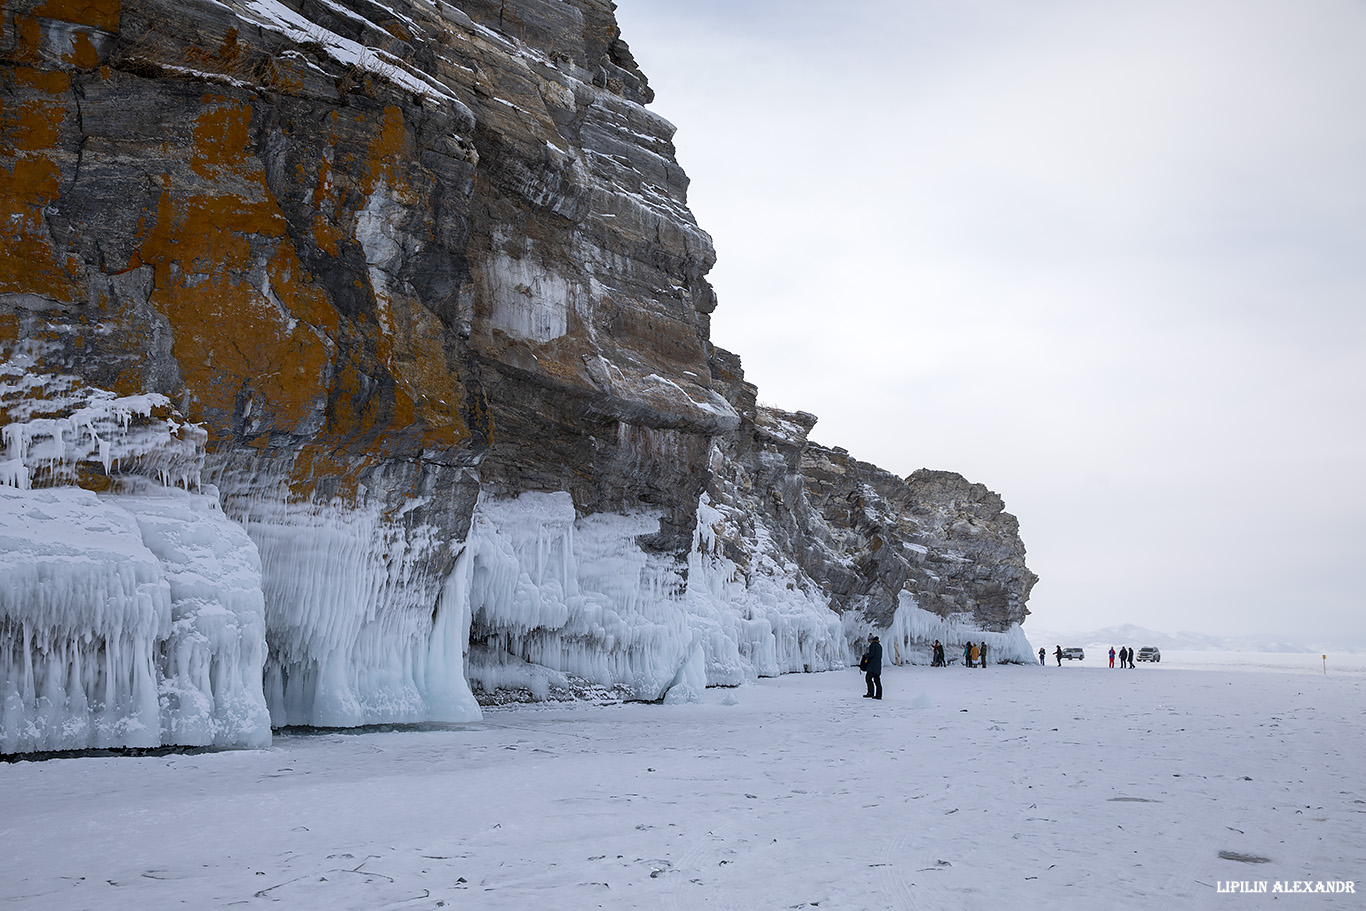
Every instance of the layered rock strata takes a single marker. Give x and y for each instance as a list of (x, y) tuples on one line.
[(422, 279), (932, 555)]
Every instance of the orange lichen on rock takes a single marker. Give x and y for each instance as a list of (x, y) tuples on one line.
[(100, 14), (82, 53), (411, 346), (221, 134), (31, 119), (326, 200), (28, 39), (248, 324), (389, 145)]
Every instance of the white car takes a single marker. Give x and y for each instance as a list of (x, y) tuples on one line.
[(1070, 653), (1149, 653)]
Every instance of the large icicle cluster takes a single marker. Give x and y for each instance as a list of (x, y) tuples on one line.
[(54, 424), (913, 630), (127, 618), (556, 598), (766, 621), (358, 631)]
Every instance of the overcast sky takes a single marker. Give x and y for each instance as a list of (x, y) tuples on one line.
[(1107, 259)]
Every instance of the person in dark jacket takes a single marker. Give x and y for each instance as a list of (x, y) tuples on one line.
[(872, 668), (1041, 654), (1057, 653)]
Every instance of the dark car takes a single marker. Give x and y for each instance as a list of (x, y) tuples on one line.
[(1149, 653)]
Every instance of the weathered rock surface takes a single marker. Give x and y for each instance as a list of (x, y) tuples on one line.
[(408, 264), (863, 538)]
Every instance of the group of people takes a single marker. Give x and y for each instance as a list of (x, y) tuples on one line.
[(974, 655), (1126, 657)]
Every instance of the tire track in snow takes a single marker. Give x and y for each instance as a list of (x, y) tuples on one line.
[(892, 873), (682, 893)]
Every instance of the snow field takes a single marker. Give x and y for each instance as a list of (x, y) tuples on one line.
[(1029, 786)]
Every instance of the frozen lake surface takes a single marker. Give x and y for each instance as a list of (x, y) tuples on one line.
[(1025, 786)]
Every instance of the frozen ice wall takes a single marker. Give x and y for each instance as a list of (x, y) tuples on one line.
[(913, 630), (555, 597), (762, 621), (132, 617), (83, 606), (210, 663), (127, 621), (360, 630)]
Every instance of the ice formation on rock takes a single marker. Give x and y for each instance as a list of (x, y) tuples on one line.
[(359, 632), (761, 623), (555, 597), (913, 630), (56, 424), (423, 280), (128, 618)]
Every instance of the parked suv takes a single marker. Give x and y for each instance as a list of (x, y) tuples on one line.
[(1070, 653), (1149, 653)]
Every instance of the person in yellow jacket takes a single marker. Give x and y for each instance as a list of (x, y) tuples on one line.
[(972, 654)]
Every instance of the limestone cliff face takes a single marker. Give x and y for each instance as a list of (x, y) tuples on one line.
[(868, 541), (405, 263), (371, 249)]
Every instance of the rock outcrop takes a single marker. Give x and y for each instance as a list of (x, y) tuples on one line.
[(423, 280), (867, 542)]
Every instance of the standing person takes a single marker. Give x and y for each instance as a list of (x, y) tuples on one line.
[(984, 653), (1042, 653), (1131, 656), (1057, 653), (967, 655), (872, 667), (938, 659), (1112, 657), (975, 652)]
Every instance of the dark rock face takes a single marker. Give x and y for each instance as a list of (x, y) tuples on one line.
[(399, 260), (858, 534)]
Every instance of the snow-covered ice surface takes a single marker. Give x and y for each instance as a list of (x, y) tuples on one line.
[(1022, 787)]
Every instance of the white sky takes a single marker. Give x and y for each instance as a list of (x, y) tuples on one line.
[(1107, 259)]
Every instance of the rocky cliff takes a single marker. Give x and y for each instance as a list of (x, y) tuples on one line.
[(410, 293)]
